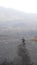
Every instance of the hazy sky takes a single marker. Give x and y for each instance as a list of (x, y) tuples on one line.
[(29, 6)]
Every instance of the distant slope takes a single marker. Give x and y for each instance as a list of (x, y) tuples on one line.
[(13, 20), (12, 14)]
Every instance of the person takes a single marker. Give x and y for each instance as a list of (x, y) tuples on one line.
[(23, 53)]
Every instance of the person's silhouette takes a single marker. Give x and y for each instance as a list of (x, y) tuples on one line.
[(23, 53), (23, 41)]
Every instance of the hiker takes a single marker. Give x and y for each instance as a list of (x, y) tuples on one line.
[(23, 53)]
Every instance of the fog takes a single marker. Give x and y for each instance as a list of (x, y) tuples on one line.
[(13, 26)]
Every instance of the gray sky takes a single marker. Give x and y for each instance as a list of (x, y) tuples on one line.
[(29, 6)]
